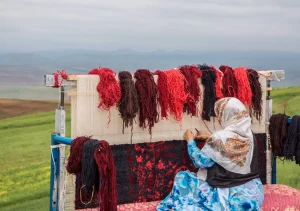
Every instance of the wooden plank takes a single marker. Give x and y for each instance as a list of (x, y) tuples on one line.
[(269, 89), (72, 77), (49, 81), (273, 75)]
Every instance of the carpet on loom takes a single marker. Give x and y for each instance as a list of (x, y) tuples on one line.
[(145, 171)]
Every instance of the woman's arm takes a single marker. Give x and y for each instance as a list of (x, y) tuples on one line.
[(199, 160)]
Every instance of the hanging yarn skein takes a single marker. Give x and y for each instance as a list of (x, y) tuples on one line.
[(256, 93), (192, 88), (128, 105), (278, 133), (176, 93), (108, 88), (76, 150), (106, 167), (218, 83), (244, 93), (208, 81), (162, 86), (147, 97), (89, 173), (229, 82), (292, 144)]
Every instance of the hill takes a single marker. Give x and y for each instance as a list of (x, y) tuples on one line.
[(13, 108), (21, 74), (25, 155)]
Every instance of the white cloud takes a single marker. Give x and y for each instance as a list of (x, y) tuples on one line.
[(149, 25)]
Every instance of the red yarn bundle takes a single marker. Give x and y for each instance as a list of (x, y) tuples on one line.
[(229, 82), (244, 93), (108, 190), (218, 83), (147, 96), (176, 93), (76, 150), (162, 86), (192, 88), (63, 75), (108, 88)]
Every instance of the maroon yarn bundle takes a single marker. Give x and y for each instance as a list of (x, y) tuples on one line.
[(256, 93), (192, 88), (108, 182), (76, 150), (147, 98), (229, 82), (128, 105), (278, 129), (162, 86)]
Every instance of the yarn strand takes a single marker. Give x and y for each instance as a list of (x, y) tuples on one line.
[(147, 98)]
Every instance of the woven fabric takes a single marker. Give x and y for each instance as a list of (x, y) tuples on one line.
[(146, 171), (281, 197)]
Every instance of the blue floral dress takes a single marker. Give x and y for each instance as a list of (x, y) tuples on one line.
[(189, 193)]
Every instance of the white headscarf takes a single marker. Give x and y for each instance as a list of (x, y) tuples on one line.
[(231, 147)]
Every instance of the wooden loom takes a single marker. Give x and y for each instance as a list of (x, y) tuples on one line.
[(88, 119)]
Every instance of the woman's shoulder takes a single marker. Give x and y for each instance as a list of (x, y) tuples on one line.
[(221, 135)]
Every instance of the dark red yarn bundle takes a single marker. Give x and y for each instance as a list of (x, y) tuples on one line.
[(208, 81), (256, 93), (147, 97), (162, 86), (108, 189), (128, 105), (244, 93), (278, 133), (218, 83), (108, 88), (76, 150), (192, 87), (229, 82)]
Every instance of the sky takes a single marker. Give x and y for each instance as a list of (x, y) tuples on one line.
[(147, 25)]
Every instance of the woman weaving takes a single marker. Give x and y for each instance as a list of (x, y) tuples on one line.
[(227, 178)]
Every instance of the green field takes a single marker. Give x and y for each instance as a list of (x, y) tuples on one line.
[(25, 156)]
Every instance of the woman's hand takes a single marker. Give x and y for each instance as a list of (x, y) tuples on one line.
[(188, 135), (202, 135)]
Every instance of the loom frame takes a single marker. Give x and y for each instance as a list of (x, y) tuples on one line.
[(58, 141)]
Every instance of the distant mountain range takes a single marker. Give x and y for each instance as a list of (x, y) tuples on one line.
[(24, 71)]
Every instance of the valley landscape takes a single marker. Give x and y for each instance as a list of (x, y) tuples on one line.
[(27, 109)]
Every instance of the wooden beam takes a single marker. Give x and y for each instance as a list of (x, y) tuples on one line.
[(72, 77), (49, 81), (269, 89)]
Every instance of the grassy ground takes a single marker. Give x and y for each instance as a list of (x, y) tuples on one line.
[(25, 156), (25, 162)]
